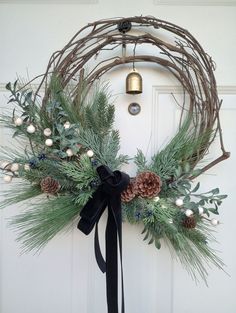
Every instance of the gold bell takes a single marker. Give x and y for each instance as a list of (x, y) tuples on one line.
[(134, 83)]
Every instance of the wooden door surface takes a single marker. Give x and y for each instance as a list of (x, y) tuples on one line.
[(64, 277)]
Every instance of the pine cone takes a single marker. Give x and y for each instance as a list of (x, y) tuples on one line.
[(129, 194), (50, 185), (189, 222), (148, 184)]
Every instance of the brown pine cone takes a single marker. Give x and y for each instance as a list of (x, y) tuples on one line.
[(148, 184), (129, 194), (50, 185), (189, 222)]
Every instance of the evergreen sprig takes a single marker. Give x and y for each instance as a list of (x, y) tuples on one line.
[(82, 173), (178, 154), (99, 116), (45, 219), (91, 121)]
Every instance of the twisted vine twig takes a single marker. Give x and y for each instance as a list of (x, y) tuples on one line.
[(183, 57)]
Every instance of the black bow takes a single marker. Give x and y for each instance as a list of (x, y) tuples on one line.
[(107, 195)]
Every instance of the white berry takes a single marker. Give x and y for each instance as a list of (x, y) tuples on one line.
[(31, 129), (15, 167), (26, 167), (179, 202), (7, 179), (4, 165), (48, 142), (188, 212), (214, 222), (156, 199), (90, 153), (47, 132), (200, 210), (69, 152), (18, 121), (67, 125)]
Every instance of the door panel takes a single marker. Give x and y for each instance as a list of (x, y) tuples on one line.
[(64, 277)]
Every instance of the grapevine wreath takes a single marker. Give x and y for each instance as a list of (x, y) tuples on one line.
[(70, 164)]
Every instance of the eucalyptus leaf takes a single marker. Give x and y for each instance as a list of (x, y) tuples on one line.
[(222, 197), (215, 191), (8, 86), (195, 189), (214, 210), (187, 198), (186, 167), (178, 171)]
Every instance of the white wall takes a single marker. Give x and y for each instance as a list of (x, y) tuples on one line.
[(64, 278)]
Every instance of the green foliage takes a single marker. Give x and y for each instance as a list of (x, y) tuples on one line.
[(91, 121), (19, 192), (38, 225), (59, 107), (162, 220), (82, 173), (90, 128), (23, 99), (83, 197), (49, 168), (141, 161), (105, 148), (179, 154), (99, 115)]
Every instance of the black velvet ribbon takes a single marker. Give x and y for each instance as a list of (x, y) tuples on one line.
[(107, 195)]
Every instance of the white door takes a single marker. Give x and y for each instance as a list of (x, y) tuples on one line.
[(64, 278)]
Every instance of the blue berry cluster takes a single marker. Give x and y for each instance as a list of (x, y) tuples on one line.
[(94, 162), (95, 183), (138, 215), (148, 213), (42, 157), (33, 163)]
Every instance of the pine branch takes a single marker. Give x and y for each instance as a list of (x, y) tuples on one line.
[(37, 226), (82, 173), (99, 116), (19, 192)]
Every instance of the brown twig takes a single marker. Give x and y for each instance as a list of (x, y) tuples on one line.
[(181, 55)]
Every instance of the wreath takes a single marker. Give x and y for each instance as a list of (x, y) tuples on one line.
[(70, 163)]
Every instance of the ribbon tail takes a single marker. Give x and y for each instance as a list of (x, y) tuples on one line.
[(118, 219), (90, 216), (113, 235), (112, 264), (98, 254), (107, 194)]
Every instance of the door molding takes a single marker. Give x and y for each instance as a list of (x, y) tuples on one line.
[(195, 2), (48, 2), (222, 89)]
